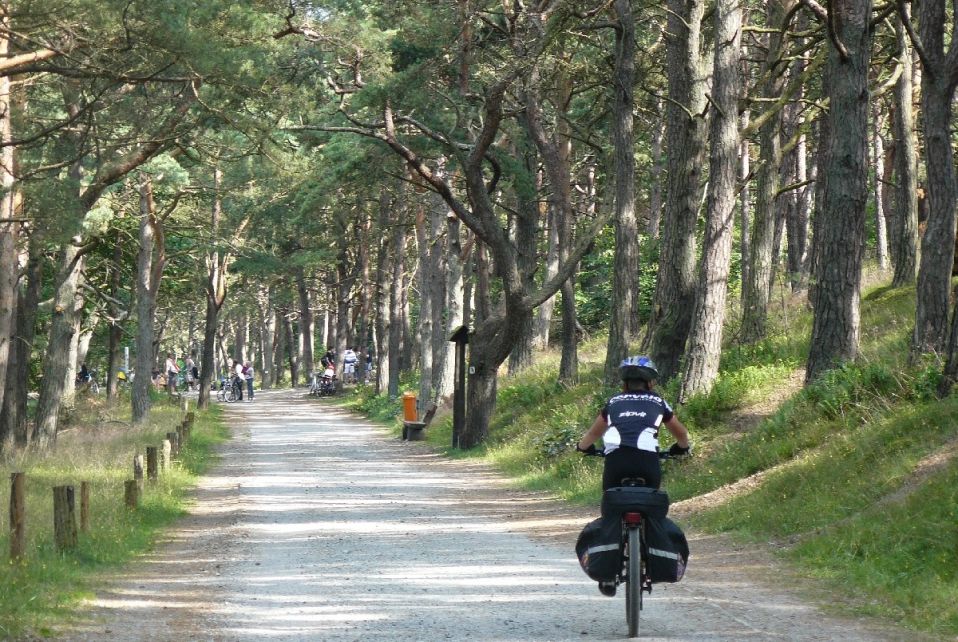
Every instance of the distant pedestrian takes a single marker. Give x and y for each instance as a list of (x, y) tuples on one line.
[(238, 378), (171, 371), (191, 372), (349, 365), (248, 375)]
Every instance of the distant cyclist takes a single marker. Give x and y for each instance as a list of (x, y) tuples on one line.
[(629, 427)]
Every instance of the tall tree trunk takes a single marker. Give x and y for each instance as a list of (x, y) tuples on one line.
[(383, 291), (835, 329), (821, 183), (798, 226), (279, 345), (217, 264), (306, 329), (395, 325), (556, 153), (685, 140), (625, 282), (454, 303), (938, 81), (149, 269), (881, 229), (745, 210), (798, 198), (757, 290), (292, 337), (9, 225), (523, 233), (656, 169), (543, 321), (116, 328), (13, 417), (267, 332), (63, 328), (705, 343), (426, 313), (343, 286), (904, 235)]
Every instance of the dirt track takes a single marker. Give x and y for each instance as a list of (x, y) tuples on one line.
[(318, 526)]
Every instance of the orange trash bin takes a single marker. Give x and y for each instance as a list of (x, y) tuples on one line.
[(409, 406)]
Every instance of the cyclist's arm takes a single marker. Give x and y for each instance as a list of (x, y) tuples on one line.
[(599, 426), (679, 431)]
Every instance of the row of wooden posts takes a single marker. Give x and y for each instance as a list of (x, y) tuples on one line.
[(66, 534)]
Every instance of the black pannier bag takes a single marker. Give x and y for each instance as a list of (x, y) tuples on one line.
[(598, 549), (667, 549), (651, 502)]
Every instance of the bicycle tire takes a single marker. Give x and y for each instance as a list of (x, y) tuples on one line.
[(633, 582), (94, 387)]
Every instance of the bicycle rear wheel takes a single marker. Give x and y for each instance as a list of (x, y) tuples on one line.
[(633, 583)]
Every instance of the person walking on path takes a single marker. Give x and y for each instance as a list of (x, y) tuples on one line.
[(248, 375), (171, 371), (191, 377), (238, 378)]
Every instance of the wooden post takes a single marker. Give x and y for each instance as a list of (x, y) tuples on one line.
[(167, 455), (461, 337), (186, 404), (138, 470), (64, 518), (190, 418), (18, 524), (84, 506), (131, 493), (174, 440), (151, 464)]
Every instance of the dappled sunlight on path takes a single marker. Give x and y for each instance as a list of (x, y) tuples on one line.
[(317, 525)]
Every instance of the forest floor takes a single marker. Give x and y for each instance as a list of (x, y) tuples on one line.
[(318, 525)]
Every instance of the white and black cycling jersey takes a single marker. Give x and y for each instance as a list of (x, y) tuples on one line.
[(634, 419)]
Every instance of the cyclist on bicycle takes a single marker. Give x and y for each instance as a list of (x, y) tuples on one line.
[(629, 427)]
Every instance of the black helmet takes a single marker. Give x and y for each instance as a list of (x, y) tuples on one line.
[(639, 367)]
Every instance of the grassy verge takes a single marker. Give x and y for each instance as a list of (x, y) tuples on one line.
[(43, 589), (851, 490)]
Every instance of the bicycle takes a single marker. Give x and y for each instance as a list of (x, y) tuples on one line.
[(314, 384), (634, 501), (228, 391)]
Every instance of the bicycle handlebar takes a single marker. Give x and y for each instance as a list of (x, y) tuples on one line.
[(663, 454)]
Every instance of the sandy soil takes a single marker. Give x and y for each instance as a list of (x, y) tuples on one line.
[(318, 526)]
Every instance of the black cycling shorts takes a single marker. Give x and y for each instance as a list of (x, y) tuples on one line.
[(626, 462)]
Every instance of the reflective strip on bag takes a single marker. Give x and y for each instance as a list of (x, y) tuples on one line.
[(658, 552), (601, 549)]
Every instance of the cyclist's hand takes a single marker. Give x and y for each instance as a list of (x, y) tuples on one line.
[(678, 451), (588, 451)]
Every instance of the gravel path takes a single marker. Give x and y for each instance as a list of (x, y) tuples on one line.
[(318, 526)]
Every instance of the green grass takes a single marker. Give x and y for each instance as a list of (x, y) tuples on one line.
[(43, 589), (897, 561)]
